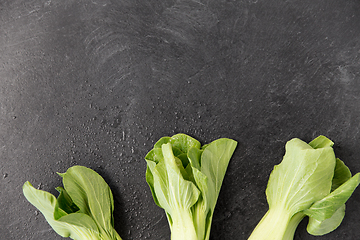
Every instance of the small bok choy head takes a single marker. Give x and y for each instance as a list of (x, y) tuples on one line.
[(84, 208), (185, 180), (311, 182)]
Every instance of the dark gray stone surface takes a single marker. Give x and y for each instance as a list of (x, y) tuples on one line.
[(97, 83)]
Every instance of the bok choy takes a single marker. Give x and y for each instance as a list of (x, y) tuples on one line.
[(84, 208), (310, 181), (185, 180)]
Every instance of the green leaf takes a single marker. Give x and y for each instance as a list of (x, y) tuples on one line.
[(83, 209), (179, 144), (341, 174), (303, 177), (45, 203), (161, 141), (80, 220), (327, 214), (318, 228), (179, 163), (150, 179), (155, 155), (321, 142), (64, 204), (214, 162), (91, 194), (326, 207), (171, 189), (183, 159), (194, 156), (184, 142), (215, 159)]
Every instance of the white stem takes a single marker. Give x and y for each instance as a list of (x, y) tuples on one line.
[(272, 226), (182, 227)]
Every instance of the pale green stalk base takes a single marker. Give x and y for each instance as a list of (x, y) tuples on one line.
[(272, 226), (294, 222), (182, 227)]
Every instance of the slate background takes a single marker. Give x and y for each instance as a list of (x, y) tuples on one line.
[(97, 83)]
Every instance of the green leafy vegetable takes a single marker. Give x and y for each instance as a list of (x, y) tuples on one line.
[(311, 182), (185, 180), (83, 209)]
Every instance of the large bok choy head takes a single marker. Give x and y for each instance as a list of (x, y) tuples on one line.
[(185, 180), (84, 208), (311, 182)]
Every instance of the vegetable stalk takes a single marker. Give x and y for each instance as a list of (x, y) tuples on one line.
[(310, 181), (185, 180), (182, 227), (273, 225), (84, 208)]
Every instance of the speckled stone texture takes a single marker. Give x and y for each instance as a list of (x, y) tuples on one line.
[(97, 83)]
